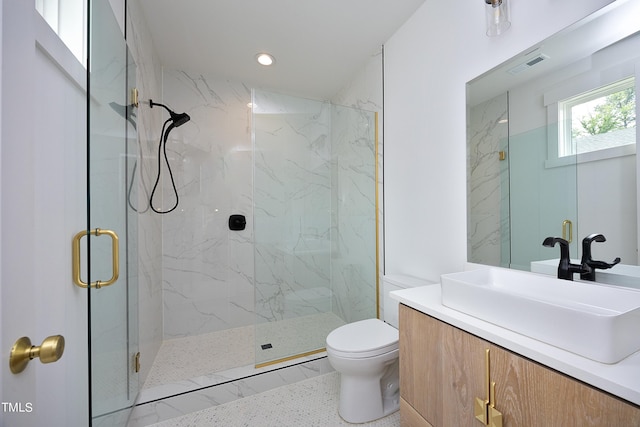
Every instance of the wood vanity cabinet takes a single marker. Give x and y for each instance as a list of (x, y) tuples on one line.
[(442, 372)]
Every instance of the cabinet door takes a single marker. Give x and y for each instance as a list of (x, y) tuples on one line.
[(529, 394), (464, 368), (442, 369), (420, 364), (409, 417)]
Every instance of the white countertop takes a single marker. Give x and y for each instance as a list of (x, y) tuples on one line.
[(621, 379)]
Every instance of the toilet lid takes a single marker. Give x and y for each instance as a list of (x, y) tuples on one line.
[(365, 338)]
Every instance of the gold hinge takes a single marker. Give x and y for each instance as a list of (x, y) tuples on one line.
[(136, 362), (134, 97)]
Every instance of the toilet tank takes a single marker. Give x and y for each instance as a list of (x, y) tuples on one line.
[(395, 282)]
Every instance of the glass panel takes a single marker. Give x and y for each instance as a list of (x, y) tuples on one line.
[(314, 219), (353, 194), (112, 150), (545, 198)]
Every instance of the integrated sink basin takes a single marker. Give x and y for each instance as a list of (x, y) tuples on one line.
[(599, 322)]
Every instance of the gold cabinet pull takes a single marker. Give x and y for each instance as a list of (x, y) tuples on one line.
[(485, 409), (115, 261), (495, 416), (566, 224), (481, 406), (23, 352)]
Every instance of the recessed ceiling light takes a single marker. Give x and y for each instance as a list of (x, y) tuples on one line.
[(265, 59)]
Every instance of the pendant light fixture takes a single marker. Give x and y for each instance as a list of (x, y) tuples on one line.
[(497, 15)]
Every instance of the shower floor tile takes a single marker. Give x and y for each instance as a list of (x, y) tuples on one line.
[(180, 359), (294, 336), (191, 363)]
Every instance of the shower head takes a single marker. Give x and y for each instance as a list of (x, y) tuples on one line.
[(178, 119)]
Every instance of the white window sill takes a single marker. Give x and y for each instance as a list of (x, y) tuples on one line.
[(592, 156)]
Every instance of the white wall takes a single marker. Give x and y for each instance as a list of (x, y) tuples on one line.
[(43, 206), (427, 63), (1, 203)]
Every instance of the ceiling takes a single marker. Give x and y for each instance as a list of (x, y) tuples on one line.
[(319, 46), (576, 42)]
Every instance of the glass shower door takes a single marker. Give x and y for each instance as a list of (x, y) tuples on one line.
[(292, 225), (112, 224), (546, 203), (314, 222)]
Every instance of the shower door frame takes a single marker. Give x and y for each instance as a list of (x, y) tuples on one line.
[(111, 155)]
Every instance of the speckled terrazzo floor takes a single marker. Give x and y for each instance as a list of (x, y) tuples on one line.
[(207, 353), (308, 403), (221, 351)]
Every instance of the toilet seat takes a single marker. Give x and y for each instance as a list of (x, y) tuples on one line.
[(366, 338)]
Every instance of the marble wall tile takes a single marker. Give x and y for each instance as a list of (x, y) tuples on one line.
[(207, 268), (292, 205), (487, 194), (353, 181), (355, 283), (208, 271)]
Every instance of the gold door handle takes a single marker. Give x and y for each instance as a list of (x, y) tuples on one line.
[(115, 261), (23, 352)]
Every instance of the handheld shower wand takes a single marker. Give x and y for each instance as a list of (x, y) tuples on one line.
[(177, 120)]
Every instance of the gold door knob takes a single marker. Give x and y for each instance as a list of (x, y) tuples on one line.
[(22, 352)]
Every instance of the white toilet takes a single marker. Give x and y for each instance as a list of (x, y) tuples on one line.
[(366, 355)]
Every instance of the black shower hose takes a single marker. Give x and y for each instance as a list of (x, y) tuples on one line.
[(162, 148)]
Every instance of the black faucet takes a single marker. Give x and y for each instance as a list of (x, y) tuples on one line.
[(565, 268), (589, 264)]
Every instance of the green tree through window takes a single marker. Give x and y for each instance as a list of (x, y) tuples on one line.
[(618, 111)]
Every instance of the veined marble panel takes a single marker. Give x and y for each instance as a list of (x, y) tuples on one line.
[(353, 213), (364, 93), (292, 204), (208, 269), (486, 189)]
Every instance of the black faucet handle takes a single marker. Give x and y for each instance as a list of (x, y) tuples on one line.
[(551, 242), (598, 237), (604, 265), (565, 268), (586, 245)]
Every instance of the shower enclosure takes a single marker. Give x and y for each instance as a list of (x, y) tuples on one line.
[(302, 174)]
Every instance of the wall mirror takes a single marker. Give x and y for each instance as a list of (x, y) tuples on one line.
[(544, 156)]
